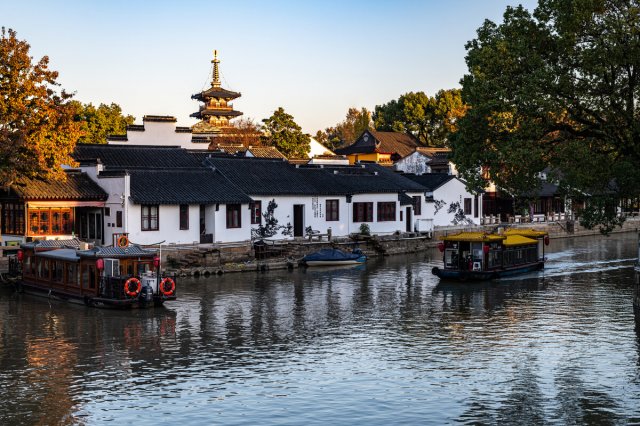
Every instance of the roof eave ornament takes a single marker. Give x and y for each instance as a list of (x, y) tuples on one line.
[(216, 72)]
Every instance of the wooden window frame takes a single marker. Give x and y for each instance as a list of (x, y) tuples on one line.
[(256, 212), (184, 216), (386, 211), (149, 216), (363, 212), (417, 205), (332, 210), (234, 216)]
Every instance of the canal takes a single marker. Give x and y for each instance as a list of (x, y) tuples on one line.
[(383, 343)]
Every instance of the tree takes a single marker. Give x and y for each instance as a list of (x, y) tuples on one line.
[(98, 123), (347, 131), (282, 132), (37, 129), (430, 119), (555, 89), (244, 131)]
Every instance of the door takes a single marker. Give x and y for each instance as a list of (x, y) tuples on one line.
[(409, 223), (298, 220)]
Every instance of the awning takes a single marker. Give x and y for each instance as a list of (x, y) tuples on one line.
[(68, 203)]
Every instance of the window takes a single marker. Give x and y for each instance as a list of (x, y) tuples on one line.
[(13, 219), (256, 212), (475, 206), (119, 219), (467, 206), (233, 216), (184, 216), (363, 212), (107, 211), (333, 210), (386, 211), (417, 205), (150, 217)]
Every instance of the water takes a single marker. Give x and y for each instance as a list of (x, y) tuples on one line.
[(379, 344)]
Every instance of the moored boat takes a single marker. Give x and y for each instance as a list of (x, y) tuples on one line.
[(117, 277), (482, 256), (332, 257)]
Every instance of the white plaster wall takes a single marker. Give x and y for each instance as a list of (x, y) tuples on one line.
[(223, 234), (415, 163), (169, 226), (159, 134), (115, 188), (451, 192), (375, 226), (316, 148)]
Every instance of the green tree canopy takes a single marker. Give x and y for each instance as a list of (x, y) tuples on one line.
[(37, 130), (347, 131), (98, 123), (281, 131), (430, 119), (555, 88)]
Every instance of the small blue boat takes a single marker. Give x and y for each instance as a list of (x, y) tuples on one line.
[(329, 257)]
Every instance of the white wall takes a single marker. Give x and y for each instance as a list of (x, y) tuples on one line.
[(168, 227), (222, 233), (415, 163), (451, 192), (159, 134), (316, 148)]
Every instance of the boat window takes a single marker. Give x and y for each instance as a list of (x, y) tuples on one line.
[(71, 273), (56, 269), (27, 265), (142, 268), (45, 269), (111, 267), (477, 251), (85, 276), (495, 258), (451, 259), (92, 277)]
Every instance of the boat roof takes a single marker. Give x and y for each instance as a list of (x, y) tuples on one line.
[(73, 243), (117, 252), (518, 240), (67, 254), (530, 233), (475, 237)]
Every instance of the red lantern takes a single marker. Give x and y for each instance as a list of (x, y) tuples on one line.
[(156, 261), (20, 255), (100, 264), (546, 240), (486, 249), (441, 246)]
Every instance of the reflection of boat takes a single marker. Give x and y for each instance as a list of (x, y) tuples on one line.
[(482, 256), (636, 286), (119, 277), (331, 257)]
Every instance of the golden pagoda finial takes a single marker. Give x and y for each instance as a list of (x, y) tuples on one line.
[(216, 73)]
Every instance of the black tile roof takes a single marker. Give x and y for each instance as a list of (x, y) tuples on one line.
[(115, 157), (216, 92), (131, 250), (431, 181), (160, 118), (187, 186), (276, 177), (77, 187)]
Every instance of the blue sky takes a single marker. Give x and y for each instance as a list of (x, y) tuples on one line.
[(315, 59)]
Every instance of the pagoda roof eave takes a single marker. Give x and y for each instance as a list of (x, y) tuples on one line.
[(216, 113), (216, 92)]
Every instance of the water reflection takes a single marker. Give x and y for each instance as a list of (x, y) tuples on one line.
[(381, 343)]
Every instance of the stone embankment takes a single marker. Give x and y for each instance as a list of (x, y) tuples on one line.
[(208, 259)]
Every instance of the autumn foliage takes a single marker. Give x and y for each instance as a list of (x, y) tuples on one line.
[(37, 128)]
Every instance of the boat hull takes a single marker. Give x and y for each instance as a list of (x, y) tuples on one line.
[(335, 262), (94, 301), (458, 275)]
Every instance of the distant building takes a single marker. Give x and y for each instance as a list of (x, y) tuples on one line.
[(426, 160), (159, 130), (380, 147)]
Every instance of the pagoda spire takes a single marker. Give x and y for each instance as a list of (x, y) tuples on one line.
[(216, 72)]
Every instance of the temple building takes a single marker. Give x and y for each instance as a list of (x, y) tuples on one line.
[(217, 111)]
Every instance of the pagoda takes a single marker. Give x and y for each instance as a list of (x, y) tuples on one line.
[(216, 112)]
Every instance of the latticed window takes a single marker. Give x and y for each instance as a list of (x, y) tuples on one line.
[(13, 219), (233, 216), (332, 210), (256, 212), (150, 220), (386, 211), (363, 212)]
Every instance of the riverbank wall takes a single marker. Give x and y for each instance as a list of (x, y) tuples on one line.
[(205, 260)]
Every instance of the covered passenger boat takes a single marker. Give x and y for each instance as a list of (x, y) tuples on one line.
[(482, 256), (329, 257), (118, 277)]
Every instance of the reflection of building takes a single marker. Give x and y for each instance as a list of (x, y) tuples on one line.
[(38, 209)]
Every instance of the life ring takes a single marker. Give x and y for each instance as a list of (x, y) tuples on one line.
[(164, 290), (127, 287), (123, 241)]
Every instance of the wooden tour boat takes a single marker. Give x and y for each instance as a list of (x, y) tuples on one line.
[(482, 256), (116, 277)]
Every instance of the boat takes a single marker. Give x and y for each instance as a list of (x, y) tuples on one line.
[(113, 277), (333, 257), (485, 256)]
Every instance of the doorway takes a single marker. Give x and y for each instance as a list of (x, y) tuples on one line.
[(298, 220), (409, 222)]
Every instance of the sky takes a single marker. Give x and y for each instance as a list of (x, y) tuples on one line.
[(316, 59)]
